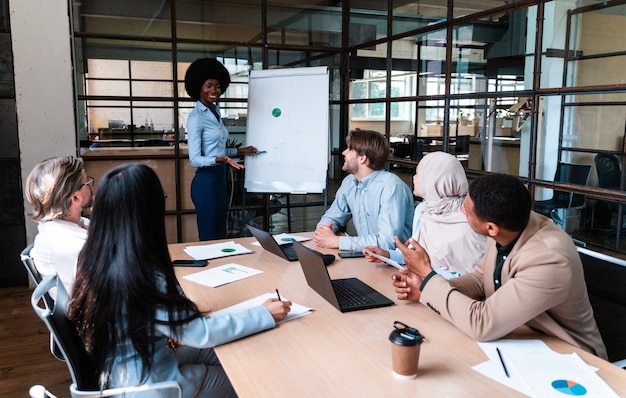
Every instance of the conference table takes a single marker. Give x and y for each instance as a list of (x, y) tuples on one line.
[(329, 353)]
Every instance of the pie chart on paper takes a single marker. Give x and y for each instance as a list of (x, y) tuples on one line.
[(569, 387)]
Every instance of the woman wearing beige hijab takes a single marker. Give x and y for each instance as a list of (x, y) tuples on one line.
[(438, 224)]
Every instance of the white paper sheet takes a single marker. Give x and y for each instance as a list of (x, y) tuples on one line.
[(384, 259), (216, 250), (222, 275), (493, 368), (296, 311), (537, 371), (556, 375)]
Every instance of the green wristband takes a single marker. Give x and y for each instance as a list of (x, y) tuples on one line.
[(430, 275)]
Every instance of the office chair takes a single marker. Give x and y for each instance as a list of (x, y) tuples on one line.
[(609, 177), (80, 365), (568, 173), (609, 171), (35, 276)]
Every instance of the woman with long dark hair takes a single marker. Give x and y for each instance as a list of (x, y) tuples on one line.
[(127, 304)]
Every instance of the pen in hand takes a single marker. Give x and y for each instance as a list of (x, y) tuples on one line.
[(278, 295), (506, 372)]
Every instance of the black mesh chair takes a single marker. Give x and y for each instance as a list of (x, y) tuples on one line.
[(609, 171), (609, 177), (82, 368), (570, 173)]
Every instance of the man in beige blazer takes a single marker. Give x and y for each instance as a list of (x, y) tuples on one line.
[(530, 274)]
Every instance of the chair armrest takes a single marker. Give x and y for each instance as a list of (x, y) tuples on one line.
[(163, 385)]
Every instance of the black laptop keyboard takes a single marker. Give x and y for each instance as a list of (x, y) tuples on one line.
[(346, 296)]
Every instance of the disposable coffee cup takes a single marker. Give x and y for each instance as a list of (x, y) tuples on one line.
[(405, 350)]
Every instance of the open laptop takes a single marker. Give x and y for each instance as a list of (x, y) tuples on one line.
[(350, 294), (286, 250)]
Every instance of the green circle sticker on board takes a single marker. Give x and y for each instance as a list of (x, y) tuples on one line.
[(276, 112)]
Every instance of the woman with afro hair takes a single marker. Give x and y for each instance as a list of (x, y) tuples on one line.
[(205, 81)]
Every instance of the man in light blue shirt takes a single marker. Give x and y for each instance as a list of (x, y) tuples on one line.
[(379, 203)]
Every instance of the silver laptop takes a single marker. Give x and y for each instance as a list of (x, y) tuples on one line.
[(284, 251), (350, 294)]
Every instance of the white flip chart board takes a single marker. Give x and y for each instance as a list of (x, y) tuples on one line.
[(288, 119)]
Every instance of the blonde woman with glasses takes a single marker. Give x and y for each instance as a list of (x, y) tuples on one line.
[(58, 190)]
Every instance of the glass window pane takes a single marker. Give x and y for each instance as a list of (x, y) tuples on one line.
[(368, 21), (110, 87), (304, 23), (232, 54), (100, 113), (152, 89), (376, 111), (4, 14), (410, 15), (7, 85), (495, 144), (404, 66), (421, 57), (151, 70), (300, 59), (403, 120), (8, 129), (592, 122), (108, 69), (464, 8), (150, 18), (595, 52), (152, 118), (236, 21), (490, 55), (596, 34), (120, 52)]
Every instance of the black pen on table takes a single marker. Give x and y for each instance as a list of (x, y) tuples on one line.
[(278, 294), (506, 372)]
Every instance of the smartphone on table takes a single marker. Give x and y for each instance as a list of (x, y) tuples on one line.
[(351, 254), (189, 263)]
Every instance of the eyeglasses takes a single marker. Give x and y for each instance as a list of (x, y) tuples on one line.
[(90, 181)]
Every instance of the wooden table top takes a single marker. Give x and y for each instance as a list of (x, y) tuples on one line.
[(329, 353)]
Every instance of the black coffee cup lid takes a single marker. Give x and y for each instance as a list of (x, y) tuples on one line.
[(405, 335)]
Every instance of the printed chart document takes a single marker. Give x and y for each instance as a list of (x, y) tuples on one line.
[(555, 375), (283, 238), (296, 311), (216, 250), (537, 371), (384, 259), (222, 275)]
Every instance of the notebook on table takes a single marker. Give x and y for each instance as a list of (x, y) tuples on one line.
[(286, 250), (350, 294)]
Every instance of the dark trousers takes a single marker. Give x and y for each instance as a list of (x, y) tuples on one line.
[(210, 196)]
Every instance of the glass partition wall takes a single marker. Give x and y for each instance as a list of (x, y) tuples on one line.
[(524, 88)]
